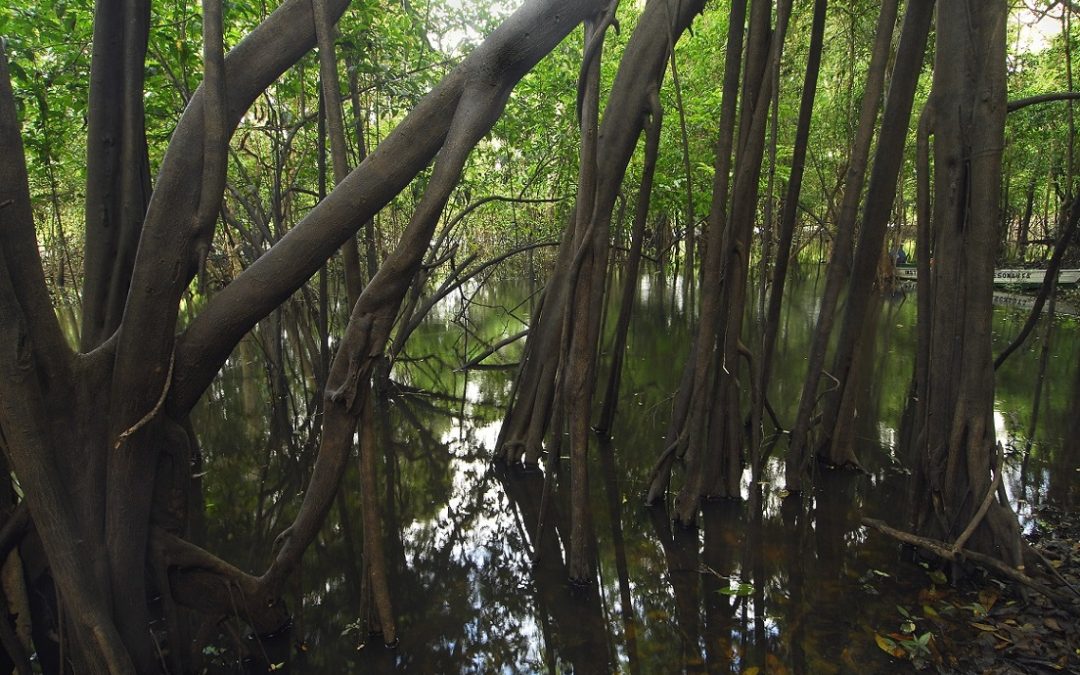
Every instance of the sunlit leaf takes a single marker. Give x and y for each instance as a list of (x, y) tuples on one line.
[(742, 590)]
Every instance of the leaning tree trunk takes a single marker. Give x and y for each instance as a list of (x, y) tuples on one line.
[(840, 261), (763, 373), (840, 402), (710, 269), (958, 495), (569, 316)]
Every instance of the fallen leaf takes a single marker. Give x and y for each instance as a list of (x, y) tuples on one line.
[(1052, 624), (888, 646), (984, 626)]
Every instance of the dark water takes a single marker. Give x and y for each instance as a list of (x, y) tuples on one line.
[(791, 590)]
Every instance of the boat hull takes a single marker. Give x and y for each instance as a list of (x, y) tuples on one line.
[(1006, 277)]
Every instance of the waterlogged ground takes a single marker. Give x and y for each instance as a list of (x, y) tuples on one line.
[(800, 588)]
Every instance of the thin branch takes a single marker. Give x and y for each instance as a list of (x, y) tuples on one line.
[(472, 363)]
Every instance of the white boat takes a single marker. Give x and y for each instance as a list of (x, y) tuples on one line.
[(1005, 277)]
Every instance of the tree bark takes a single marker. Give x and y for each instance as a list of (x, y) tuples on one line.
[(631, 269), (117, 163), (696, 371), (956, 447)]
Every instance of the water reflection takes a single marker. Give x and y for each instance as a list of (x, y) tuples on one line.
[(798, 587)]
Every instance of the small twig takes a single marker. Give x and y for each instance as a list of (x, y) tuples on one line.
[(148, 417)]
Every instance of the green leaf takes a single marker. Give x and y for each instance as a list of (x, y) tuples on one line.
[(742, 590)]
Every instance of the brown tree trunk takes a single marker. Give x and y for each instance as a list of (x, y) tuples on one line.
[(569, 318), (117, 165), (335, 124), (839, 411), (787, 229), (630, 270), (957, 450), (696, 371), (840, 262)]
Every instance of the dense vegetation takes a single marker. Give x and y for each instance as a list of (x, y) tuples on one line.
[(318, 176)]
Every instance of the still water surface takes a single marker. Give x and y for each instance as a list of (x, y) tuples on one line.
[(476, 591)]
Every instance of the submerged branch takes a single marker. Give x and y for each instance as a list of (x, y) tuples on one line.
[(991, 564)]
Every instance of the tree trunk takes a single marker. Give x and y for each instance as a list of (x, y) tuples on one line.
[(787, 230), (840, 262), (570, 314), (957, 450), (630, 271), (696, 370), (840, 402)]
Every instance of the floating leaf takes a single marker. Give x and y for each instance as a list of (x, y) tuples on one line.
[(888, 646)]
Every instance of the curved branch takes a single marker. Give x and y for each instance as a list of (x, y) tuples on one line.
[(512, 50), (1022, 103), (452, 284), (348, 387), (1049, 281)]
